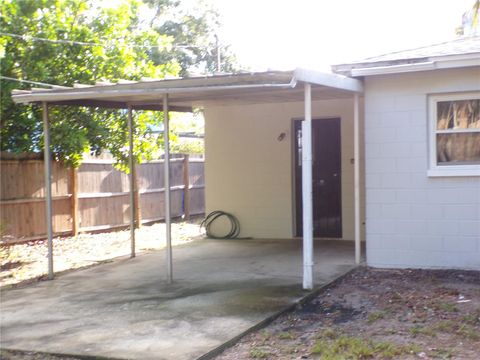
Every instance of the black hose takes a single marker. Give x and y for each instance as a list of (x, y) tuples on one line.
[(214, 215)]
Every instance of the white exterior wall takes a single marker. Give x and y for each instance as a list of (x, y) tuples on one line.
[(413, 220), (249, 173)]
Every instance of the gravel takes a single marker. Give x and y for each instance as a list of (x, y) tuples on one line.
[(27, 262)]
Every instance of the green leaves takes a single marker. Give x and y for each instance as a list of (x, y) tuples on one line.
[(194, 31), (119, 55), (86, 41)]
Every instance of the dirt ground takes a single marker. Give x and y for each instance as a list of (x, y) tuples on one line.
[(378, 314), (24, 263)]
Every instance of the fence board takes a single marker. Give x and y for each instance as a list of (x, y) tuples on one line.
[(196, 172), (103, 201), (24, 179), (27, 219), (153, 204), (197, 201)]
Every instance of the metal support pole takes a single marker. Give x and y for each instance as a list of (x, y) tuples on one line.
[(356, 141), (166, 132), (219, 56), (307, 191), (131, 178), (48, 187)]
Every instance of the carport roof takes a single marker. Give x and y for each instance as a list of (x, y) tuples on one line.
[(186, 93)]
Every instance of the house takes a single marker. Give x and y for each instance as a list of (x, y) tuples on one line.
[(421, 204), (393, 155), (422, 155)]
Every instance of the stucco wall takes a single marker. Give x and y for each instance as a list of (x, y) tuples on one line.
[(414, 220), (249, 172)]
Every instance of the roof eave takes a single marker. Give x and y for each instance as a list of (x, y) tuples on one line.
[(336, 81), (117, 95), (408, 65), (108, 94)]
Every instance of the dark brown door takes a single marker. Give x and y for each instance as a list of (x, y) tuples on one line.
[(326, 174)]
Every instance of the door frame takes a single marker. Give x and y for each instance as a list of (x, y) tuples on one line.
[(293, 170)]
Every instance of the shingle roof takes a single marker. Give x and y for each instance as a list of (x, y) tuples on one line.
[(459, 46), (462, 46)]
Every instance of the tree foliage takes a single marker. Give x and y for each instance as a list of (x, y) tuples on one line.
[(470, 21), (193, 125), (195, 31), (129, 48)]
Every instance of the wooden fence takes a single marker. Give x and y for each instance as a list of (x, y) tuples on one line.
[(93, 197)]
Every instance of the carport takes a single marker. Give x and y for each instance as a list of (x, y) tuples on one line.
[(183, 95)]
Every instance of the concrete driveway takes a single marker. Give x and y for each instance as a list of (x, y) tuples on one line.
[(125, 309)]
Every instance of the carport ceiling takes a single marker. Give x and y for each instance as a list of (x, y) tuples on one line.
[(185, 94)]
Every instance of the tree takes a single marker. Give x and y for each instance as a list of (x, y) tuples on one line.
[(470, 21), (74, 130), (115, 44), (193, 125), (194, 31)]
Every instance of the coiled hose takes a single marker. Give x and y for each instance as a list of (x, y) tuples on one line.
[(214, 215)]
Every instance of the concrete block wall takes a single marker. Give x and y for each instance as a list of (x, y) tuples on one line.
[(413, 220)]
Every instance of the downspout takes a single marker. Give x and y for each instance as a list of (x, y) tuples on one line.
[(356, 157)]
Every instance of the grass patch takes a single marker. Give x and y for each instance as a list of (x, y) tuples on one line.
[(388, 350), (447, 326), (463, 329), (259, 353), (375, 316), (422, 330), (447, 307), (396, 297), (447, 291), (347, 347), (343, 347), (264, 335), (286, 335), (472, 318), (330, 333), (469, 332), (442, 353)]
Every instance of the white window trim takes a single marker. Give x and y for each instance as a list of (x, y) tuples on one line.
[(446, 170)]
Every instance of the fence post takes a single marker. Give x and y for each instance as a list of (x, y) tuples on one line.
[(186, 186), (136, 197), (74, 193)]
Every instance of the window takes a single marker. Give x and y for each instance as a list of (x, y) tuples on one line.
[(455, 134)]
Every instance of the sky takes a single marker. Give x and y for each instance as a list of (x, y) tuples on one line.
[(281, 35)]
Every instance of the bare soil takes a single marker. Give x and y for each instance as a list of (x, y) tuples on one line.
[(377, 314), (25, 263)]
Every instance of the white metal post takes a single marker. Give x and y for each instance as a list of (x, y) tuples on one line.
[(48, 187), (166, 131), (356, 145), (307, 191), (131, 177)]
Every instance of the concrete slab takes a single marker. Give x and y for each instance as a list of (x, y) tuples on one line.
[(126, 310)]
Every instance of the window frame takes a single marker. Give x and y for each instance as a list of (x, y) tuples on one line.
[(448, 170)]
